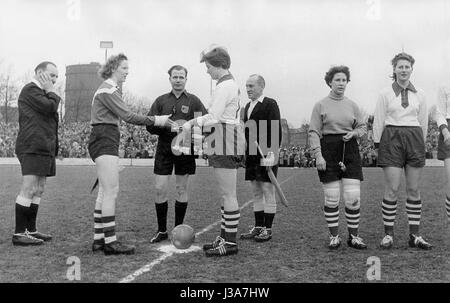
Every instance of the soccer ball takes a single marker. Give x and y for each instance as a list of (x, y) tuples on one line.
[(183, 236)]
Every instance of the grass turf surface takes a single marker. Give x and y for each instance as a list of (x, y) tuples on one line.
[(297, 253)]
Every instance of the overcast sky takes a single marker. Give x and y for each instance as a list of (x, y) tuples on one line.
[(290, 43)]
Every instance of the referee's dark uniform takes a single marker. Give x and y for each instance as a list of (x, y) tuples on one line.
[(37, 140), (267, 111), (183, 108)]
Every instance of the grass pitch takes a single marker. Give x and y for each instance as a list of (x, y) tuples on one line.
[(297, 253)]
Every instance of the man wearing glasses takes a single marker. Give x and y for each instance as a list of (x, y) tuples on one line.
[(182, 106)]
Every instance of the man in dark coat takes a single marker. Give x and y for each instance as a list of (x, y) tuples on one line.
[(36, 149), (262, 124)]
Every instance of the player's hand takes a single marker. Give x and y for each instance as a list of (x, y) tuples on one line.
[(172, 124), (376, 152), (187, 126), (321, 164), (348, 136), (163, 120), (46, 82), (269, 160)]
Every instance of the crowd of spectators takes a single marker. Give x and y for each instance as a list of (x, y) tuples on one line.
[(8, 135), (296, 156), (136, 142)]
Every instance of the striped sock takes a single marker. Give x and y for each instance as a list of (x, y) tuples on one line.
[(447, 207), (109, 228), (389, 209), (222, 224), (414, 210), (99, 236), (352, 216), (332, 217), (231, 225)]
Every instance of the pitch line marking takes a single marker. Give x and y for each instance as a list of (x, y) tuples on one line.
[(169, 252)]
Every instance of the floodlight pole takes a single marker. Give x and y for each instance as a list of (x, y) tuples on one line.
[(106, 45)]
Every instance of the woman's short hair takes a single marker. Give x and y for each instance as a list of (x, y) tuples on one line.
[(401, 56), (111, 65), (334, 70), (217, 56)]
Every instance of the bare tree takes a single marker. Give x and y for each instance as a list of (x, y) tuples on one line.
[(8, 90)]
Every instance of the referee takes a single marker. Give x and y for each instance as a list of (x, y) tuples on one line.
[(36, 149), (182, 106)]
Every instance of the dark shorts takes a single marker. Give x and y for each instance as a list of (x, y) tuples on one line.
[(37, 165), (230, 152), (443, 149), (166, 161), (401, 146), (104, 140), (221, 161), (332, 149), (255, 172)]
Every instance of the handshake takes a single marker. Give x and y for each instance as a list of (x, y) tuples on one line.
[(165, 121)]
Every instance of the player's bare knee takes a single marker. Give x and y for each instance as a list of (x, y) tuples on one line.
[(413, 193), (181, 190), (391, 193), (39, 191)]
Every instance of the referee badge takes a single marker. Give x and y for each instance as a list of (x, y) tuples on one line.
[(184, 109)]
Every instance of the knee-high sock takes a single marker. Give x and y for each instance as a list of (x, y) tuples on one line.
[(352, 199), (270, 204), (180, 212), (161, 214), (332, 217), (34, 207), (270, 209), (352, 216), (414, 210), (258, 204), (22, 210), (222, 223), (332, 193), (99, 236), (231, 225), (109, 228), (389, 209), (447, 207), (258, 209)]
